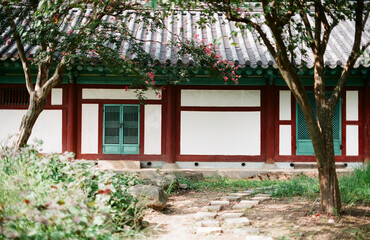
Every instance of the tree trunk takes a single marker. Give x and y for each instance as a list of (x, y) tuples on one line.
[(329, 188), (28, 121)]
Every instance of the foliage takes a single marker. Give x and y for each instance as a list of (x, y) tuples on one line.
[(54, 197), (354, 187)]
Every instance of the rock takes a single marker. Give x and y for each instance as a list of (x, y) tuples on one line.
[(237, 222), (231, 215), (183, 186), (208, 230), (214, 208), (246, 231), (164, 181), (230, 198), (205, 215), (194, 176), (248, 191), (258, 238), (261, 198), (208, 223), (252, 202), (222, 203), (153, 196), (331, 221), (242, 206)]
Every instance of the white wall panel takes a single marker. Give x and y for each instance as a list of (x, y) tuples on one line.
[(285, 140), (352, 147), (352, 105), (95, 93), (90, 127), (221, 98), (220, 133), (284, 105), (56, 96), (153, 129), (48, 128)]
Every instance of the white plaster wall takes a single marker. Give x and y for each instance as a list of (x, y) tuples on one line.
[(48, 128), (221, 98), (352, 105), (90, 126), (220, 133), (95, 93), (352, 147), (153, 129), (285, 140), (284, 105), (56, 96)]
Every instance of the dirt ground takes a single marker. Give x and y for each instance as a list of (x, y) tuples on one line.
[(286, 218)]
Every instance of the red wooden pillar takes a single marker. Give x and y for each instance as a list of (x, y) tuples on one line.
[(270, 105), (71, 117), (170, 124), (367, 125)]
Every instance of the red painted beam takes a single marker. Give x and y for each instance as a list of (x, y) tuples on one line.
[(270, 107), (367, 124), (72, 117), (170, 124)]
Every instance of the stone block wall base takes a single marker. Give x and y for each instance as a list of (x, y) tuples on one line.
[(170, 166), (269, 166), (118, 164)]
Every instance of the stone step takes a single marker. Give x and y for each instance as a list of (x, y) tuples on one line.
[(208, 223), (231, 215), (255, 237), (237, 222), (252, 202), (205, 215), (230, 198), (222, 203), (202, 231), (214, 208), (263, 195), (246, 231), (241, 194), (261, 198), (241, 206)]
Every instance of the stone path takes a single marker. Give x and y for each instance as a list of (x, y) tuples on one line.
[(229, 215)]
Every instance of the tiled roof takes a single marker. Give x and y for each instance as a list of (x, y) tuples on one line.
[(247, 51)]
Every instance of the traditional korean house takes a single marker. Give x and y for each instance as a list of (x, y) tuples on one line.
[(200, 123)]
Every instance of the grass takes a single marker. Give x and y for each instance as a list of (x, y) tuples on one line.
[(354, 187)]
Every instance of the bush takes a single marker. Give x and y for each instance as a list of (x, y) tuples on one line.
[(355, 188), (54, 197)]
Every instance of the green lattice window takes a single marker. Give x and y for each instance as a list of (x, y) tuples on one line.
[(304, 144), (121, 129)]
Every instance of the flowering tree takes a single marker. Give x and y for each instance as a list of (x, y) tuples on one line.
[(314, 22), (67, 34)]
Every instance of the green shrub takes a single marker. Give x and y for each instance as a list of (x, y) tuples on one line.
[(355, 188), (54, 197)]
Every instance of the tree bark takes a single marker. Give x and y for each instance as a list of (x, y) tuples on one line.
[(36, 106)]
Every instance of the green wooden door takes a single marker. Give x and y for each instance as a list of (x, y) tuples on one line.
[(304, 143), (121, 129)]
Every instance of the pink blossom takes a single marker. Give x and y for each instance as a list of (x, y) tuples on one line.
[(226, 78), (69, 32)]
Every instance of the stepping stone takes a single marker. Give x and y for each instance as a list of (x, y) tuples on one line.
[(237, 222), (253, 202), (222, 203), (205, 215), (208, 230), (241, 206), (240, 194), (263, 195), (246, 231), (230, 198), (258, 238), (208, 223), (248, 191), (231, 215), (214, 208), (261, 198)]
